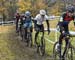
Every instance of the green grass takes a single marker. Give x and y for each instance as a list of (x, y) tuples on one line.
[(49, 46), (11, 48)]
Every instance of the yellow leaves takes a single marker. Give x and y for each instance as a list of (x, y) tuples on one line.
[(40, 4), (55, 9), (7, 4), (23, 5), (2, 9)]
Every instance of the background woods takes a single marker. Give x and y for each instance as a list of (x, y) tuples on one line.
[(8, 7)]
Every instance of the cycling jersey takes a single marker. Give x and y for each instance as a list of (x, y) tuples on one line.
[(17, 16), (64, 21), (27, 22), (66, 17), (40, 20)]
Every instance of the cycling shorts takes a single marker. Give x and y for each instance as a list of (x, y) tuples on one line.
[(27, 25)]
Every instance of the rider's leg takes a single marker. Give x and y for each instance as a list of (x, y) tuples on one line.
[(66, 28), (66, 39), (36, 35), (31, 30), (25, 33), (37, 32), (67, 42), (42, 28), (20, 29), (60, 43), (16, 25)]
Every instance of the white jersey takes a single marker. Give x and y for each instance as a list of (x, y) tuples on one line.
[(40, 20)]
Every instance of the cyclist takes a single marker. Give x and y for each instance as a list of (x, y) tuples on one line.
[(27, 23), (64, 29), (22, 17), (39, 19), (17, 20)]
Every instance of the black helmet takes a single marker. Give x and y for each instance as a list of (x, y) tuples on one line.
[(71, 9)]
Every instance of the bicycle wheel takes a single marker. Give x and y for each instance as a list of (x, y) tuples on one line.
[(42, 47), (73, 52), (23, 35), (69, 53), (30, 39), (55, 52), (38, 43)]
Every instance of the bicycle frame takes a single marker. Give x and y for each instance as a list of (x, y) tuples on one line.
[(29, 37)]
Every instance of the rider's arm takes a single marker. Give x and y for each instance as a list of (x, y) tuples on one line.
[(47, 24), (33, 20), (61, 19), (47, 21), (74, 21)]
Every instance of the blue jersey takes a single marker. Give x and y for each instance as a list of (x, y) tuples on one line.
[(28, 20)]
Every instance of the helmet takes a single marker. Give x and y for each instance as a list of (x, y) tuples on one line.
[(71, 9), (42, 12), (27, 13)]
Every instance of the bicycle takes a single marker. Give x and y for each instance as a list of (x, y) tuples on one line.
[(69, 51), (19, 32), (40, 44), (19, 29), (29, 37)]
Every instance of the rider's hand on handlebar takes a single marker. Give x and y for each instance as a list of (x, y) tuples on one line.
[(48, 31)]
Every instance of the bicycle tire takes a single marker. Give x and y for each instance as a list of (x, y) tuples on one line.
[(69, 54), (55, 53), (42, 47), (29, 39), (40, 44)]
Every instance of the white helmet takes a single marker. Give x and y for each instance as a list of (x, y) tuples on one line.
[(27, 13), (42, 12)]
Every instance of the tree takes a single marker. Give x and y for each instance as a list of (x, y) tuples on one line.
[(23, 5)]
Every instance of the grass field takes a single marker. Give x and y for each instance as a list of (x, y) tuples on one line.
[(51, 37), (11, 47)]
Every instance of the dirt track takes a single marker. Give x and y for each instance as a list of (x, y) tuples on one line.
[(12, 48)]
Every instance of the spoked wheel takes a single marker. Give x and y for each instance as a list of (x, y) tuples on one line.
[(56, 55), (42, 47)]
